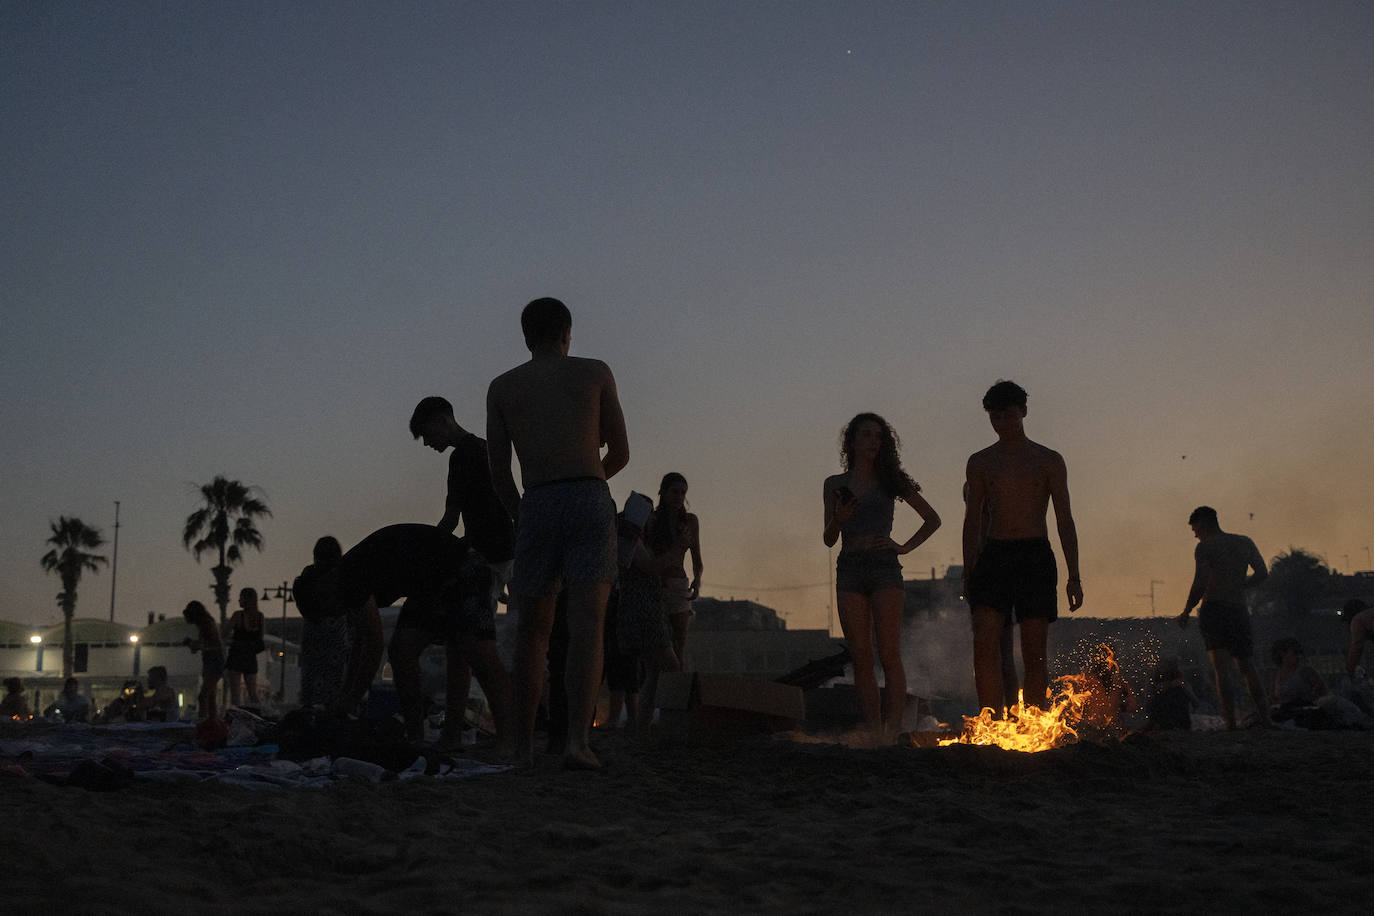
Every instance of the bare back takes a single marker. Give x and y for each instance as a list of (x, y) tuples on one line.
[(556, 412), (1014, 484)]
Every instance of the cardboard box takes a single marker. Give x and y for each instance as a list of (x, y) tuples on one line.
[(708, 708)]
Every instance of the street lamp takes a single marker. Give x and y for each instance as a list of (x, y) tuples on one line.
[(133, 641), (282, 592)]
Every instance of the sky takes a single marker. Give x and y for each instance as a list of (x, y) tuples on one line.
[(245, 239)]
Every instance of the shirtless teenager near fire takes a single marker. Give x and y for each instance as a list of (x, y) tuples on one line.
[(557, 411), (1010, 574)]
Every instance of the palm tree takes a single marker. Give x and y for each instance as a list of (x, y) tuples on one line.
[(71, 538), (1296, 580), (224, 523)]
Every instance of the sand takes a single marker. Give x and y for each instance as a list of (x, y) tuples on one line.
[(1263, 822)]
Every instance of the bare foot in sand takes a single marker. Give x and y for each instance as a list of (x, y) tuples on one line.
[(582, 759)]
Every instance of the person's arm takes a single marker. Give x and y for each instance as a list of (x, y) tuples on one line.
[(930, 521), (453, 498), (694, 524), (1198, 588), (1359, 634), (975, 497), (837, 512), (499, 454), (1068, 531), (1261, 571), (613, 434)]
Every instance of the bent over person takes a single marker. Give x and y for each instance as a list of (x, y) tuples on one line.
[(446, 588)]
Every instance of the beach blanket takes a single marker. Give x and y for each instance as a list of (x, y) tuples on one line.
[(104, 758)]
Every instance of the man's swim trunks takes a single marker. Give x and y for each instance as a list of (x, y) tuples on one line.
[(1017, 577), (867, 571), (566, 536), (1226, 626)]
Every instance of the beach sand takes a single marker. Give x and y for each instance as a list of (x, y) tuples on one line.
[(1264, 822)]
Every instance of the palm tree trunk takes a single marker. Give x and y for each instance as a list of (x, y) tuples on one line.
[(68, 648), (222, 587)]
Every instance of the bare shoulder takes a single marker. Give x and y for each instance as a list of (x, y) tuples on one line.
[(833, 481), (983, 458), (1047, 455)]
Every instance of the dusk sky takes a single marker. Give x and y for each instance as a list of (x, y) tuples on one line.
[(246, 238)]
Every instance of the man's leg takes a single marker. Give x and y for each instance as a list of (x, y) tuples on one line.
[(1221, 660), (404, 654), (533, 621), (485, 660), (988, 624), (586, 626), (1035, 632), (457, 682), (1252, 683), (1011, 687)]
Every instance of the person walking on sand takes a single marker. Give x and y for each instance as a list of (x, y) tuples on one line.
[(1219, 582), (859, 506), (671, 533), (557, 411), (1009, 567), (244, 633)]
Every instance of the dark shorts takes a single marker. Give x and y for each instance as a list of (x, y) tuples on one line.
[(1018, 578), (242, 658), (212, 662), (867, 571), (1226, 626), (464, 608), (566, 536)]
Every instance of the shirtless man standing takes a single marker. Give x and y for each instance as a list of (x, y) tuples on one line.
[(1220, 583), (558, 411), (1009, 566)]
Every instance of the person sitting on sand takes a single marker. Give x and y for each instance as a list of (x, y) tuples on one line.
[(15, 705), (211, 649), (1296, 686), (70, 705), (161, 701), (1220, 582), (1110, 701), (446, 587), (1172, 705)]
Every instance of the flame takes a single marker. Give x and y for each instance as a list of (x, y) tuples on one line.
[(1079, 699)]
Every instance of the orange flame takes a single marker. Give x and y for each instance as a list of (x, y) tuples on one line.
[(1078, 699)]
